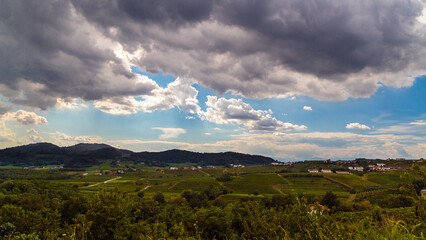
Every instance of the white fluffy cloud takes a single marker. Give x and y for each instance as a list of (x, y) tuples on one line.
[(26, 118), (35, 138), (225, 111), (63, 139), (179, 93), (32, 131), (69, 103), (307, 108), (357, 126), (6, 134), (170, 132)]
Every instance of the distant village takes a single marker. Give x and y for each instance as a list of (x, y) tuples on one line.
[(352, 165), (338, 167)]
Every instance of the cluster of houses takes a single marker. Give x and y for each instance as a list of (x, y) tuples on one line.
[(326, 171), (114, 172), (87, 174), (52, 168), (192, 168), (377, 167), (356, 168), (237, 165), (282, 163)]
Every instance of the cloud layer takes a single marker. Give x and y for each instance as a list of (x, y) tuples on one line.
[(329, 50)]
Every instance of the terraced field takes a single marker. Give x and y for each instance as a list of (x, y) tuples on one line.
[(385, 178), (255, 183), (351, 180), (313, 186), (195, 184), (251, 181)]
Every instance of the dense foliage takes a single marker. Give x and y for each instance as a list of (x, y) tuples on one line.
[(221, 203), (42, 210)]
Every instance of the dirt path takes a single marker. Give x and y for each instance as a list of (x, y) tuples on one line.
[(107, 181), (145, 188), (201, 171), (276, 188), (174, 184)]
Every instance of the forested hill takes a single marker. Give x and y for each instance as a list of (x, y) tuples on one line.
[(85, 154)]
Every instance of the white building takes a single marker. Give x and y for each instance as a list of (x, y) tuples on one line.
[(359, 169)]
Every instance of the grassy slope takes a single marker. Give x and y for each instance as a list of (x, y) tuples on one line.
[(313, 186), (356, 182), (385, 178), (258, 182)]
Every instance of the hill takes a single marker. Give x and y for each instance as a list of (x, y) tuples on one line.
[(181, 156), (85, 154), (87, 147)]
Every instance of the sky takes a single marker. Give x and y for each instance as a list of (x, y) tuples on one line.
[(288, 79)]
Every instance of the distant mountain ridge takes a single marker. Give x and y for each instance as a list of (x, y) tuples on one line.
[(87, 147), (89, 154)]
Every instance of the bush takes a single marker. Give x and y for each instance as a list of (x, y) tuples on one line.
[(330, 200), (159, 197)]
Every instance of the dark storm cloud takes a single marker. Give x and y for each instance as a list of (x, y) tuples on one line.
[(326, 49), (330, 37), (46, 53), (319, 37)]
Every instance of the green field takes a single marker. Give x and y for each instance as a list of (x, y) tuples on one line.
[(222, 203), (260, 183), (313, 186), (251, 181), (195, 184), (245, 181), (385, 178), (351, 180)]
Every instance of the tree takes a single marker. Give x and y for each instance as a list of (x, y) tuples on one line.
[(330, 200), (141, 194), (159, 197)]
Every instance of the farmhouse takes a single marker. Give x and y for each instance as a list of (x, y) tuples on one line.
[(326, 171), (97, 174), (173, 168), (359, 169), (423, 192), (314, 209), (313, 170), (381, 164), (237, 166), (342, 172)]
